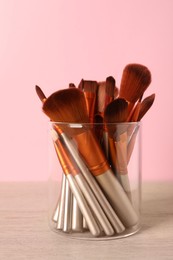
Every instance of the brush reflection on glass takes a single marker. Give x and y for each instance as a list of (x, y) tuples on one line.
[(102, 180)]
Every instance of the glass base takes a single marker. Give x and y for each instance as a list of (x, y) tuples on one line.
[(86, 235)]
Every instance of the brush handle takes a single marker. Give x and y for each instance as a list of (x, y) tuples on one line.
[(56, 213), (118, 199), (67, 208), (60, 219), (77, 218), (85, 209), (109, 211), (94, 205)]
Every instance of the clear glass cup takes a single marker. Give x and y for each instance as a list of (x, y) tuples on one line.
[(95, 179)]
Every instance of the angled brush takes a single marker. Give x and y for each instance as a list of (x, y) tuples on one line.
[(135, 80), (116, 112), (69, 106), (145, 105)]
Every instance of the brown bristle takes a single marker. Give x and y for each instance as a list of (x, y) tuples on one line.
[(115, 112), (135, 80), (72, 85), (90, 86), (116, 92), (80, 86), (66, 105), (145, 105), (101, 93), (110, 86), (40, 93)]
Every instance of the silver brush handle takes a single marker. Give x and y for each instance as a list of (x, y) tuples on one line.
[(67, 208), (95, 206), (118, 198), (77, 217), (60, 218), (109, 211), (90, 219)]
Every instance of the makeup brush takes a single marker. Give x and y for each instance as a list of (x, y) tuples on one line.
[(89, 89), (84, 187), (100, 100), (109, 97), (135, 80), (69, 106), (145, 106), (63, 211), (116, 112)]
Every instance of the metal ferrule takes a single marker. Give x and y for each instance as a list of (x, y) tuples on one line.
[(60, 219)]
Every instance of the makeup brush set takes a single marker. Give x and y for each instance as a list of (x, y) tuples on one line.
[(94, 128)]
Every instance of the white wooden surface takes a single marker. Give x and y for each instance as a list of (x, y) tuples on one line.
[(24, 232)]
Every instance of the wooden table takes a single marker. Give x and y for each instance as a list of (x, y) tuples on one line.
[(24, 231)]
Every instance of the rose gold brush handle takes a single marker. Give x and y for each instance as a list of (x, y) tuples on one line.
[(110, 213)]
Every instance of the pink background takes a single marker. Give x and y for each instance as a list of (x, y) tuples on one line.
[(54, 42)]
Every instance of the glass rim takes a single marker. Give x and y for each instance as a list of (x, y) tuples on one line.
[(71, 124)]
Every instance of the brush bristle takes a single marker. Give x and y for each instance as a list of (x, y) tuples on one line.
[(72, 85), (67, 106), (145, 106), (90, 86), (40, 93), (110, 86), (115, 112), (101, 94), (81, 84), (135, 80)]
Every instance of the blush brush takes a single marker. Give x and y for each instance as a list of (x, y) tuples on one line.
[(69, 106)]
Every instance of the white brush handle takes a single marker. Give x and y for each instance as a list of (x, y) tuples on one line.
[(88, 215), (118, 199), (109, 211)]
